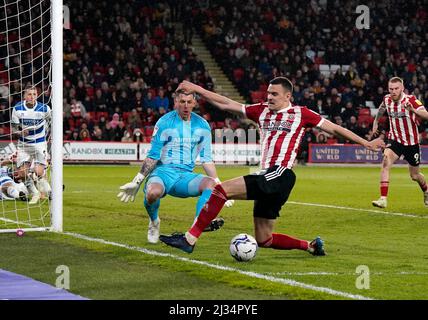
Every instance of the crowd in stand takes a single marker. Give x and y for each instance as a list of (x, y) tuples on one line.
[(261, 39), (121, 69), (123, 61)]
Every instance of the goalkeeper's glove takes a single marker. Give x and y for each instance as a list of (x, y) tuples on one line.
[(129, 190), (228, 203)]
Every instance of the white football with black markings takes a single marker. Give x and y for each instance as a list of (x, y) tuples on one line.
[(243, 247)]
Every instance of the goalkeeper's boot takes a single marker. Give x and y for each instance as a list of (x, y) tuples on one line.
[(153, 231), (316, 247), (380, 203), (215, 224), (177, 240)]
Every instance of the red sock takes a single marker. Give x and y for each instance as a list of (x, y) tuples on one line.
[(210, 210), (384, 188), (424, 187), (284, 242)]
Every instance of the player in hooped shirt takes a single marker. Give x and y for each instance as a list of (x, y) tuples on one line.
[(282, 126), (403, 136), (30, 121)]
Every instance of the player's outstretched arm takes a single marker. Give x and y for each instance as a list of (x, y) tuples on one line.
[(339, 131), (129, 190), (379, 114), (221, 102)]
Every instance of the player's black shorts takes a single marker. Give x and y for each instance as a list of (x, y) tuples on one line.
[(412, 154), (270, 189)]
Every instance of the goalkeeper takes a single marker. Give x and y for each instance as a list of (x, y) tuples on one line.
[(178, 138)]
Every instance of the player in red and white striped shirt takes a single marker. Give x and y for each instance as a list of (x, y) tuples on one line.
[(403, 136), (282, 126)]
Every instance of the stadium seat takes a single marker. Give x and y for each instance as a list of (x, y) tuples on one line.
[(90, 92), (257, 96), (219, 125), (148, 131), (366, 119), (263, 87), (364, 112), (334, 67), (266, 38), (153, 92), (102, 114), (125, 116), (345, 68), (234, 124), (92, 115), (273, 45), (238, 74), (370, 104), (325, 70)]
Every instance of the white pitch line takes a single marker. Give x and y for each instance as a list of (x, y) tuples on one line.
[(399, 214), (288, 282), (412, 273), (388, 213)]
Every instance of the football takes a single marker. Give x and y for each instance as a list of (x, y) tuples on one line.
[(243, 247)]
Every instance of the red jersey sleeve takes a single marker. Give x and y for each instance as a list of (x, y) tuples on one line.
[(416, 104), (311, 118), (253, 111)]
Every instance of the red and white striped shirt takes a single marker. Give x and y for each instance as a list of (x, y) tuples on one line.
[(403, 124), (281, 131)]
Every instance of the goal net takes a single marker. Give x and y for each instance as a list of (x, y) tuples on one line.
[(27, 114)]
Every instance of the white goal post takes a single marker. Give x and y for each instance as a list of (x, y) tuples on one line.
[(57, 106), (31, 56)]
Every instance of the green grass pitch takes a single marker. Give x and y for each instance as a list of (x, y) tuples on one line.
[(391, 243)]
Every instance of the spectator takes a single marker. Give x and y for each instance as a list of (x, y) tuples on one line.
[(97, 134), (119, 131), (134, 120), (161, 101), (75, 136), (149, 101), (78, 110), (84, 135), (108, 133), (349, 112)]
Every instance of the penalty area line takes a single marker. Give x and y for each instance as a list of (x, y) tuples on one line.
[(251, 274), (398, 214)]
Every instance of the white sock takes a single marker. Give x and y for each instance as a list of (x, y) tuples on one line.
[(190, 238), (12, 192), (156, 221)]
